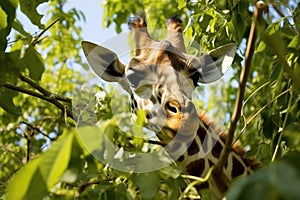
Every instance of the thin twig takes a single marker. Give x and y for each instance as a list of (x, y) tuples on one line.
[(259, 8), (38, 38), (37, 129), (84, 185), (242, 110), (28, 139)]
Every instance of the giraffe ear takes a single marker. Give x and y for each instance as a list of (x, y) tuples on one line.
[(215, 64), (104, 62)]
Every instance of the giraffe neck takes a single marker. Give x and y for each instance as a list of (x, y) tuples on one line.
[(204, 151)]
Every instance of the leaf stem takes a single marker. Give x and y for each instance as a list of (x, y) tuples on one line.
[(259, 111), (37, 39), (197, 180), (283, 126)]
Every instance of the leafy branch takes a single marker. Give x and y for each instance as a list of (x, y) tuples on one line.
[(43, 90), (47, 96), (43, 94), (260, 7)]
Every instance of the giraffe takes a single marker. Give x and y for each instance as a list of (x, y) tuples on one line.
[(160, 78)]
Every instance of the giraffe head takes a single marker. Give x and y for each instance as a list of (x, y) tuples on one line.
[(160, 77)]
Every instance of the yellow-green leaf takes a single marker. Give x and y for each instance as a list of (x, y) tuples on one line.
[(35, 179), (55, 160), (20, 183), (3, 19)]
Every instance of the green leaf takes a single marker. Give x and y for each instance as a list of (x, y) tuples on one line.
[(34, 63), (19, 27), (6, 101), (7, 16), (276, 73), (10, 67), (296, 16), (3, 19), (42, 173), (21, 182), (75, 165), (292, 130), (148, 183), (295, 43), (181, 4), (261, 47), (56, 160), (29, 9), (280, 180)]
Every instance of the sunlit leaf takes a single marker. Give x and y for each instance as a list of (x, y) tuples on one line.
[(3, 19), (22, 181), (295, 43), (56, 159), (181, 4), (40, 175), (29, 8)]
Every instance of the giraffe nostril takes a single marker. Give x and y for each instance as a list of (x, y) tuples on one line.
[(150, 115)]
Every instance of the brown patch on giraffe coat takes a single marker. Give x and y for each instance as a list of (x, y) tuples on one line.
[(181, 158), (196, 167), (237, 168), (193, 148), (202, 135), (216, 149), (211, 163)]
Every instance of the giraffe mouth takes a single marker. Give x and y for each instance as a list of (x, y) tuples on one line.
[(165, 135)]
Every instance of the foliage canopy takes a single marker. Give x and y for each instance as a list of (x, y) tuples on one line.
[(41, 150)]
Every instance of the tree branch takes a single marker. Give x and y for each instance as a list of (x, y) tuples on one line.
[(260, 6), (47, 98), (86, 184), (43, 90)]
